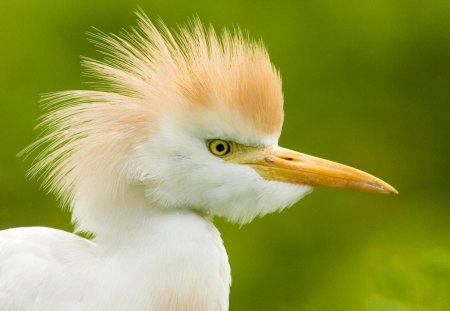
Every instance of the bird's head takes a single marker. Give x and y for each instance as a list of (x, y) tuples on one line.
[(191, 118)]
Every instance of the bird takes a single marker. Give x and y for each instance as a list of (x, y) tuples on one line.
[(181, 126)]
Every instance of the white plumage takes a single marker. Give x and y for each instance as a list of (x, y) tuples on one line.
[(181, 128)]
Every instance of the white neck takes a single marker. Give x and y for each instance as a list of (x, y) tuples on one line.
[(172, 259)]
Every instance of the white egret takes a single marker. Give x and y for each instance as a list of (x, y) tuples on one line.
[(183, 127)]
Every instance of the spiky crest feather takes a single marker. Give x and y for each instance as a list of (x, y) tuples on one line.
[(147, 73)]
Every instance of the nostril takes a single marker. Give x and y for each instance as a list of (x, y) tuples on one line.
[(270, 159), (288, 159)]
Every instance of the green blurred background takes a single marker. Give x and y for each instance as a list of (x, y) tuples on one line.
[(366, 83)]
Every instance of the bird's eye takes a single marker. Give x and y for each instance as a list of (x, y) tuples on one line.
[(219, 147)]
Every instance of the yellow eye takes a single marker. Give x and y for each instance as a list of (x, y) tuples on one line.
[(219, 147)]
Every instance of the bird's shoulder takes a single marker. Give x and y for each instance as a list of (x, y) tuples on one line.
[(43, 244), (35, 262)]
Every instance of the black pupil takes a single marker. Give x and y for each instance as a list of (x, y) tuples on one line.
[(220, 147)]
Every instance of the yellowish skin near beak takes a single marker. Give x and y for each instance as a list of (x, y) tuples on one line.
[(280, 164)]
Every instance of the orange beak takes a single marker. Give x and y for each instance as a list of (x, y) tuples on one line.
[(280, 164)]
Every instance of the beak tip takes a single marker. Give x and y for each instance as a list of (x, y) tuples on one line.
[(380, 187), (394, 191), (389, 189)]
